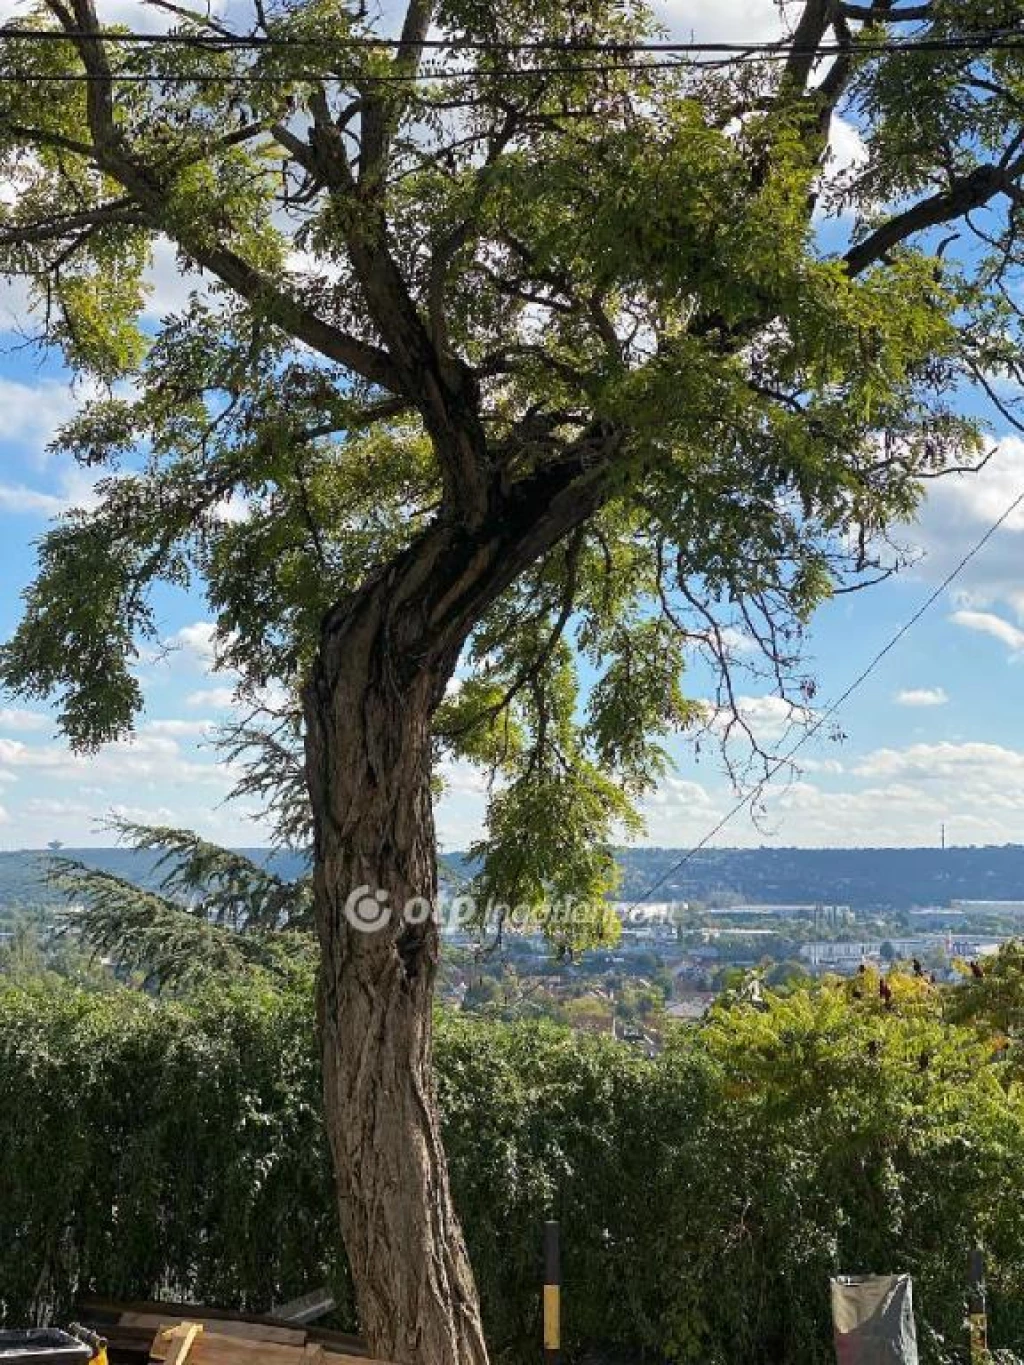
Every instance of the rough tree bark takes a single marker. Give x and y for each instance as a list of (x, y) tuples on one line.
[(369, 766), (385, 658)]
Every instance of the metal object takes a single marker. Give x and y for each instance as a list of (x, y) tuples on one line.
[(552, 1294), (977, 1312), (307, 1308), (42, 1346)]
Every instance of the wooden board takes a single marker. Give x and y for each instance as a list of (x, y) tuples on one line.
[(217, 1348), (252, 1331), (105, 1315), (181, 1339)]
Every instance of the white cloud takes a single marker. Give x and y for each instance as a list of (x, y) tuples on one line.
[(12, 718), (847, 153), (31, 413), (956, 513), (946, 760), (180, 729), (196, 642), (53, 807), (846, 148), (219, 698), (770, 718), (76, 488), (137, 14), (738, 641), (170, 286), (18, 499), (891, 796), (922, 696), (152, 760), (709, 21), (989, 624), (462, 778)]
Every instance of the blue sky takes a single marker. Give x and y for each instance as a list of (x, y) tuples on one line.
[(934, 736)]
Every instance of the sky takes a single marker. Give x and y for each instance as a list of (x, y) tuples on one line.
[(934, 737)]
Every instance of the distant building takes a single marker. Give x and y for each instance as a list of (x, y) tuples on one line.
[(972, 947), (809, 910), (690, 1010), (988, 907), (649, 916), (850, 953)]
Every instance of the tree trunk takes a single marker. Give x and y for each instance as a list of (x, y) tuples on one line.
[(368, 713), (386, 654)]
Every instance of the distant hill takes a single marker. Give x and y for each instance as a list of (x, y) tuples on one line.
[(23, 885), (864, 878)]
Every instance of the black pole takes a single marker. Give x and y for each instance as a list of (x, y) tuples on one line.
[(552, 1294), (976, 1308)]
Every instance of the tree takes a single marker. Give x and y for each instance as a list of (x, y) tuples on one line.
[(539, 362), (213, 915)]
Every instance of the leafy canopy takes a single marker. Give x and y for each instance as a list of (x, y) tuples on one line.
[(425, 302)]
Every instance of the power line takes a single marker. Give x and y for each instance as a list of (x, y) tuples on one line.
[(623, 57), (827, 715), (780, 47), (123, 77), (368, 78)]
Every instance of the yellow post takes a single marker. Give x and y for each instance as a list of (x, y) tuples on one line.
[(976, 1308), (552, 1295)]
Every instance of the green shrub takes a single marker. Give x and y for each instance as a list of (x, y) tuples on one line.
[(153, 1146), (176, 1148)]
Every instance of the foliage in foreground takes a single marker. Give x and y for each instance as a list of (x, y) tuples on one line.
[(176, 1146)]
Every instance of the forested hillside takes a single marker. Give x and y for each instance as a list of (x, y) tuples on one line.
[(864, 878), (23, 873)]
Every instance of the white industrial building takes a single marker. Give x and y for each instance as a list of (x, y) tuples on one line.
[(858, 950)]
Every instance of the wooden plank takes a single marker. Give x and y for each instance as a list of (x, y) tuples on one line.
[(254, 1331), (342, 1342), (220, 1349), (104, 1315), (213, 1348), (181, 1340)]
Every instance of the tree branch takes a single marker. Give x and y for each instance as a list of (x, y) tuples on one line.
[(45, 137), (870, 13), (966, 192), (119, 211), (811, 28), (113, 157), (532, 670), (381, 110), (443, 386)]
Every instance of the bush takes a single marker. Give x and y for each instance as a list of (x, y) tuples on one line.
[(176, 1148), (160, 1147)]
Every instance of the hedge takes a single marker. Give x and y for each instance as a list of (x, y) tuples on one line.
[(159, 1147)]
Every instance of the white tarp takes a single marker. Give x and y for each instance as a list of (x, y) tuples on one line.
[(873, 1317)]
